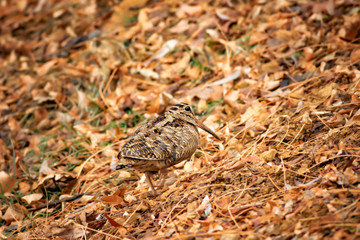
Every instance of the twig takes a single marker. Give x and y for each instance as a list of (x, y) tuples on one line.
[(132, 213), (164, 223), (298, 133), (277, 187), (56, 202), (284, 170), (98, 231)]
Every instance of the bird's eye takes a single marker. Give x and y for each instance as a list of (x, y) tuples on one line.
[(187, 108)]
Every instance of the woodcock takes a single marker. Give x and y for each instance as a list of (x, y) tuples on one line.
[(163, 142)]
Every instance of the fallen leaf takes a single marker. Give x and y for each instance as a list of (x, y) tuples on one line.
[(270, 67), (185, 9), (355, 55), (269, 155), (117, 198), (14, 213), (180, 27), (24, 187), (7, 183), (32, 197), (113, 222)]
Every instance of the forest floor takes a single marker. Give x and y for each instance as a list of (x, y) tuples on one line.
[(279, 81)]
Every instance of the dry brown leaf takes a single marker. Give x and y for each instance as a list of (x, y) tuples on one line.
[(325, 91), (327, 6), (187, 10), (113, 199), (32, 197), (14, 213), (113, 222), (223, 203), (258, 37), (352, 30), (13, 124), (309, 53), (269, 155), (238, 164), (270, 67), (4, 106), (66, 232), (24, 187), (117, 197), (7, 183), (201, 107), (355, 120), (355, 55), (180, 27), (45, 169), (143, 20)]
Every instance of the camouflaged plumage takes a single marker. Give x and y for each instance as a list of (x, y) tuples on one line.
[(163, 142)]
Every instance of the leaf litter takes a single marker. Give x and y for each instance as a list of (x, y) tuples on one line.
[(279, 81)]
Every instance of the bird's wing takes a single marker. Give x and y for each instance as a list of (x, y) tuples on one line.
[(161, 141), (148, 146), (151, 141)]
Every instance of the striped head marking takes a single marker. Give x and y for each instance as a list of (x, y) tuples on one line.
[(185, 112)]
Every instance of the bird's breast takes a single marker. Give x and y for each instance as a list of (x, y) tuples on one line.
[(187, 141)]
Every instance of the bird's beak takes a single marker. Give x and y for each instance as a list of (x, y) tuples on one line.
[(205, 128)]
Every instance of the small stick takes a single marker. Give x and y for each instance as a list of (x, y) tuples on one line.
[(56, 202)]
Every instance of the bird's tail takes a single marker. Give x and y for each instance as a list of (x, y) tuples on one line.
[(122, 165)]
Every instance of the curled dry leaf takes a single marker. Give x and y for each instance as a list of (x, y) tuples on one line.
[(185, 9), (32, 197), (238, 164), (117, 198), (165, 49), (269, 155), (45, 169)]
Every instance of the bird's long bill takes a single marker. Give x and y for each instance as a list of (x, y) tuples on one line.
[(205, 128)]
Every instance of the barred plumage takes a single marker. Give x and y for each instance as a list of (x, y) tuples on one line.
[(163, 142)]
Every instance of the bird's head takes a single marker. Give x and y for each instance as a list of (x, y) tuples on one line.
[(185, 112)]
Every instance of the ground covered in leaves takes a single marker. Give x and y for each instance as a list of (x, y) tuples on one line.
[(278, 80)]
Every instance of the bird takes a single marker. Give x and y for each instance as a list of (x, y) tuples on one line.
[(167, 140)]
